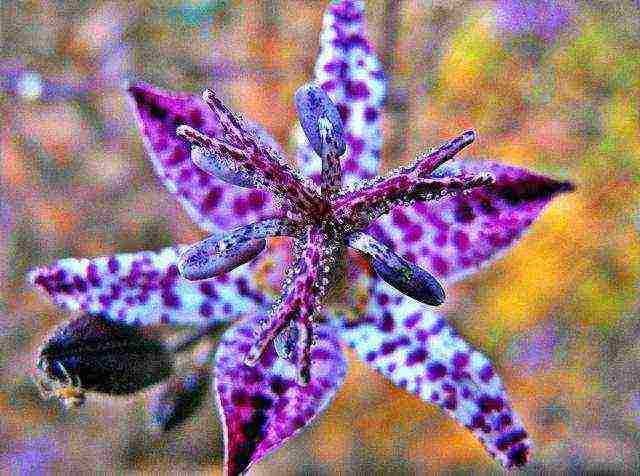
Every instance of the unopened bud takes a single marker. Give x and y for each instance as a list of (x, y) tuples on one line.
[(93, 353), (320, 121)]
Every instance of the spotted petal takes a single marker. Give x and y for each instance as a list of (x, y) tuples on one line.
[(454, 237), (351, 74), (213, 204), (263, 406), (145, 288), (420, 352)]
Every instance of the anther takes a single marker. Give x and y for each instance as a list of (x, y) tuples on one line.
[(320, 121)]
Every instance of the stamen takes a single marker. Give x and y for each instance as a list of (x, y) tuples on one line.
[(426, 164), (403, 275), (321, 123), (286, 342), (244, 153), (220, 254), (297, 307), (193, 136), (359, 209), (210, 162), (213, 257), (305, 340)]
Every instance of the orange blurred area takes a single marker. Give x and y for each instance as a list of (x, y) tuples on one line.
[(558, 314)]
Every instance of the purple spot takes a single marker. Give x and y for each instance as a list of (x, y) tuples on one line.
[(510, 439), (388, 323), (92, 275), (436, 371), (439, 265), (240, 206), (370, 114), (460, 359), (464, 213), (486, 373), (255, 199), (488, 404), (441, 239), (413, 233), (170, 299), (113, 265), (450, 403), (383, 299), (504, 421), (212, 199), (437, 327), (518, 455), (206, 310), (416, 357), (461, 241), (79, 283), (478, 421), (208, 290), (412, 320), (399, 218)]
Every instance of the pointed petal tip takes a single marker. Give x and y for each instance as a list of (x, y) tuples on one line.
[(208, 96), (137, 90), (566, 186), (469, 136)]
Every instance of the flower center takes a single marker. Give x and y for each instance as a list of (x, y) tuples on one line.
[(323, 221)]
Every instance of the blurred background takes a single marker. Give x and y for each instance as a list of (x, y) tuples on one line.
[(549, 85)]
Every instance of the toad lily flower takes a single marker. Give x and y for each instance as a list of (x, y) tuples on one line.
[(367, 253)]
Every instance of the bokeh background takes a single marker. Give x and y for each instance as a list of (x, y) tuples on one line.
[(550, 85)]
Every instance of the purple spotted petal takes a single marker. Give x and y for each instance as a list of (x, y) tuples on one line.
[(349, 71), (420, 352), (263, 406), (454, 237), (213, 204), (145, 288)]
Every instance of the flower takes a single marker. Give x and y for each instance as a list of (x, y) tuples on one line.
[(280, 363)]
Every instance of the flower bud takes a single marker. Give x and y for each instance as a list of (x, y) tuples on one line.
[(93, 353), (320, 121)]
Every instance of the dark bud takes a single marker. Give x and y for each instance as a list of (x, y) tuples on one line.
[(93, 353), (320, 121)]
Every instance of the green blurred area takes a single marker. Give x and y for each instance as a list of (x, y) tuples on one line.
[(558, 314)]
